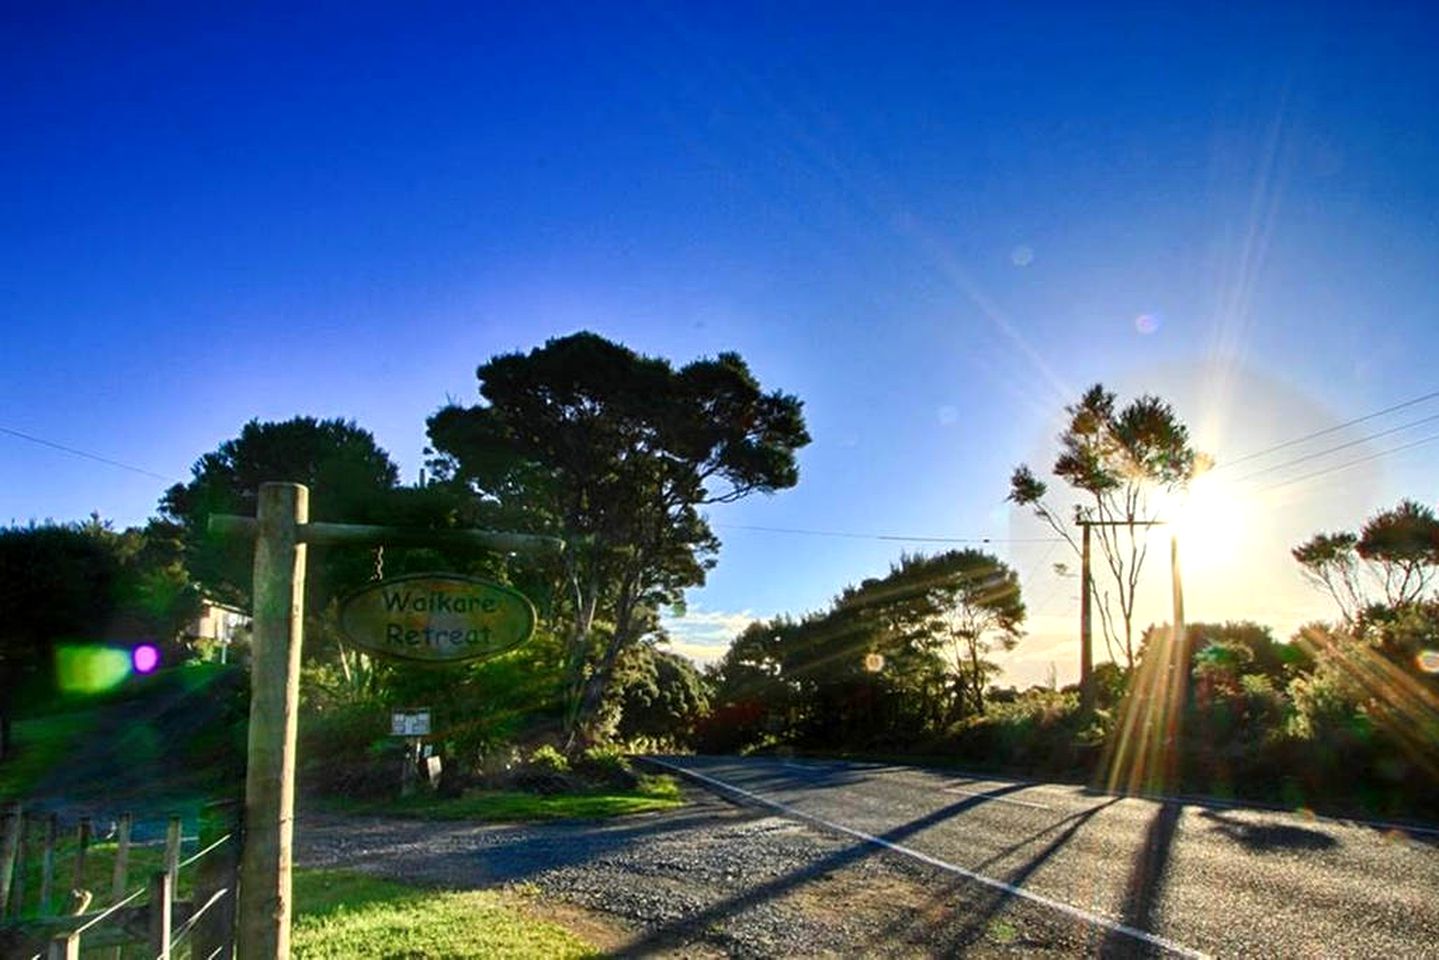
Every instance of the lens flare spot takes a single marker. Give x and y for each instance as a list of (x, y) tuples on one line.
[(1021, 256), (146, 658), (90, 668), (873, 662), (1147, 323), (1428, 661)]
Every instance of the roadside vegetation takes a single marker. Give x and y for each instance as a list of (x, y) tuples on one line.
[(620, 455), (1342, 716), (614, 452)]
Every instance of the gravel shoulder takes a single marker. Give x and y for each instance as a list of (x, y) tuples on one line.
[(708, 880)]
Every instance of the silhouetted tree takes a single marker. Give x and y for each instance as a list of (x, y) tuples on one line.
[(1115, 459), (1399, 549), (616, 453), (350, 480)]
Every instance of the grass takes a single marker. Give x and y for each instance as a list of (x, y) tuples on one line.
[(654, 793), (346, 915)]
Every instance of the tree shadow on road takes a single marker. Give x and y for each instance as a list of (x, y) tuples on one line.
[(931, 925), (697, 925), (1147, 877), (1266, 837)]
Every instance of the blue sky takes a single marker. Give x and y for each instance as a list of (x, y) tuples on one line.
[(935, 224)]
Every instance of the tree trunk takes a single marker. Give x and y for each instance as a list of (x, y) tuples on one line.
[(598, 681)]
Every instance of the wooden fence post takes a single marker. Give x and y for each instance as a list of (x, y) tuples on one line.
[(47, 863), (121, 876), (161, 895), (65, 946), (216, 871), (9, 852), (22, 866), (82, 840), (279, 594), (173, 839)]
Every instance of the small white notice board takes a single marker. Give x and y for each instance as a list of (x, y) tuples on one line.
[(410, 723)]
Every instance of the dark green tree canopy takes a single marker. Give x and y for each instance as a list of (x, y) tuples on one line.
[(340, 463), (351, 480), (609, 439), (1403, 544), (1399, 549)]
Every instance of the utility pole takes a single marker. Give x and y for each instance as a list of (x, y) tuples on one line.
[(1177, 680), (1086, 618), (1086, 627)]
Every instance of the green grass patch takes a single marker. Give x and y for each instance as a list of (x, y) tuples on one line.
[(654, 793), (356, 917)]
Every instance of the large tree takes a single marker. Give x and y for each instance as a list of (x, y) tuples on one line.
[(617, 453), (351, 480), (983, 614), (892, 657), (1115, 460), (1397, 548)]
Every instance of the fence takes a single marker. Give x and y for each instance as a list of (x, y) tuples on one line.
[(151, 920)]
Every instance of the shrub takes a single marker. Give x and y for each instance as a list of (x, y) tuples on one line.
[(608, 767), (346, 750)]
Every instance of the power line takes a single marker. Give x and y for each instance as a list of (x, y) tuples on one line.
[(1352, 463), (1327, 430), (88, 456), (886, 536), (1335, 449), (1028, 577)]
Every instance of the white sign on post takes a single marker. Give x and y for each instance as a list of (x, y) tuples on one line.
[(410, 723)]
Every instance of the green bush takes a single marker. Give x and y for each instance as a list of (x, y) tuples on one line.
[(607, 767), (548, 759), (346, 749), (1040, 731)]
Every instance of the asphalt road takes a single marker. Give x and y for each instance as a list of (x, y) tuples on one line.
[(1141, 876)]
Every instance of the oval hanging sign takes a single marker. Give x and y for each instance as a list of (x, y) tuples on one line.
[(437, 617)]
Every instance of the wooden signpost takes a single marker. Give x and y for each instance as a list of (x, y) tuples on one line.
[(282, 532)]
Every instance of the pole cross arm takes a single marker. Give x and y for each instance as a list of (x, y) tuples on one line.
[(356, 534)]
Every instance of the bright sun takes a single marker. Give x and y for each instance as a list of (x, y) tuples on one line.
[(1211, 519)]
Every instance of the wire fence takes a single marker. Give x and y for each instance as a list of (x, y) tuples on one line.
[(184, 909)]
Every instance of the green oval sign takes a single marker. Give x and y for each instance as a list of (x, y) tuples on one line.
[(437, 617)]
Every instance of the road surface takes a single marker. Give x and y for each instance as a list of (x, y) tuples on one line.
[(1141, 876)]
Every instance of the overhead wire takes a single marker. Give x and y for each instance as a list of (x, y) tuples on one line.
[(1335, 449), (1295, 441), (87, 455), (885, 536), (1352, 463)]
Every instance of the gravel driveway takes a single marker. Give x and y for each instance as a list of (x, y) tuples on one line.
[(710, 879)]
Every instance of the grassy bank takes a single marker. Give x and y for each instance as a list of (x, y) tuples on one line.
[(653, 793), (356, 917)]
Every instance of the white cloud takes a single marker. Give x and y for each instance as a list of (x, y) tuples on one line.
[(705, 635)]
